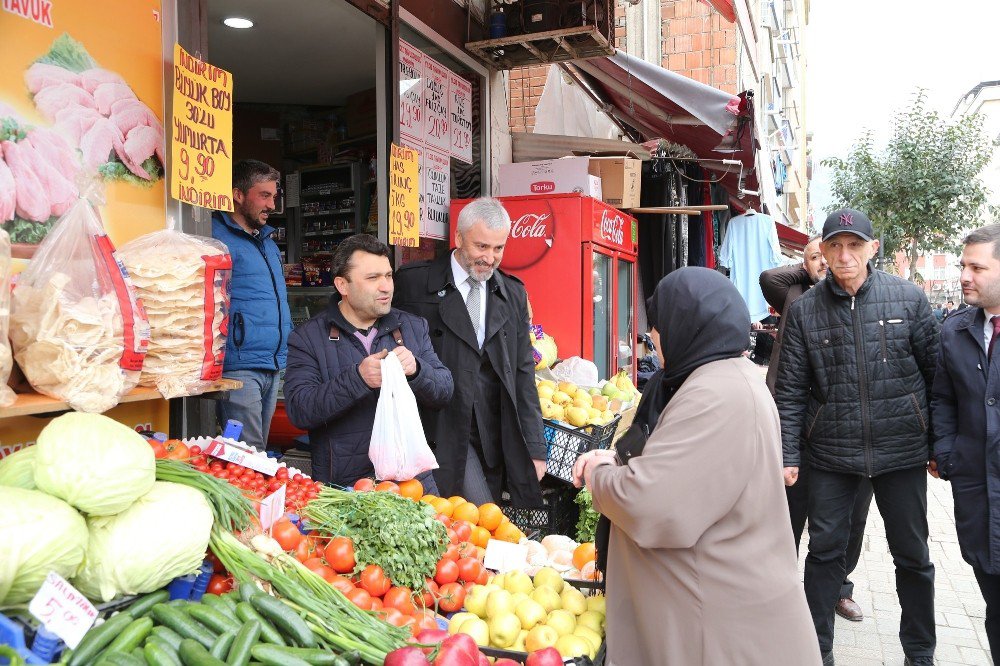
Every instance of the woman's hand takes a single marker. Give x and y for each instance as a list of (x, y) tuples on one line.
[(588, 462)]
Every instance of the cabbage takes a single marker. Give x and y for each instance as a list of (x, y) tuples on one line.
[(38, 534), (162, 536), (93, 462), (18, 469)]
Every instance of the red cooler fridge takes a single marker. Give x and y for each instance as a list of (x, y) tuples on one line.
[(577, 257)]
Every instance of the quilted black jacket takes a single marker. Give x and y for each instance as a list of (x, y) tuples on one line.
[(855, 376)]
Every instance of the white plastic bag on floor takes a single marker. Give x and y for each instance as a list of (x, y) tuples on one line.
[(398, 449)]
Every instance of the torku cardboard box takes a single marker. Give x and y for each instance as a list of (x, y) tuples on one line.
[(619, 178)]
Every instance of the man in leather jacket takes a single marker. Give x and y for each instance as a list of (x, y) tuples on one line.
[(856, 367)]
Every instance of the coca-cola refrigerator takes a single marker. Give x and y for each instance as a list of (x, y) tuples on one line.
[(577, 257)]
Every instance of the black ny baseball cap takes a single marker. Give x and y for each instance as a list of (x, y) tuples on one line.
[(848, 220)]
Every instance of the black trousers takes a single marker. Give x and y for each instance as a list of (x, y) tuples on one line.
[(989, 584), (902, 500), (798, 510)]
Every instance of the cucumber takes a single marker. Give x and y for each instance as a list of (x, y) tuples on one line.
[(132, 637), (239, 651), (194, 653), (221, 647), (316, 656), (273, 655), (268, 633), (351, 658), (157, 655), (213, 619), (290, 624), (98, 638), (340, 661), (224, 605), (143, 605), (120, 659), (153, 638), (249, 590), (183, 624), (168, 636)]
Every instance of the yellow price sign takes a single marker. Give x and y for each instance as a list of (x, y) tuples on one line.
[(202, 133), (404, 196)]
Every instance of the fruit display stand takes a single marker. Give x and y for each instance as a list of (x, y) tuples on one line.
[(566, 444)]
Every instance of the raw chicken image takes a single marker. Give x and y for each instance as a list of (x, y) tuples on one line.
[(8, 191), (92, 78), (62, 193), (99, 142), (51, 99), (73, 122), (107, 94), (31, 202), (41, 75)]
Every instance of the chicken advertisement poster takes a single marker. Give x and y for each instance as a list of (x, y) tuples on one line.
[(81, 113), (81, 103)]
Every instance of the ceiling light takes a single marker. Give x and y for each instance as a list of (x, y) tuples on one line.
[(238, 22)]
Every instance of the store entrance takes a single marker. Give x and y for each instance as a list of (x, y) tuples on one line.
[(306, 75)]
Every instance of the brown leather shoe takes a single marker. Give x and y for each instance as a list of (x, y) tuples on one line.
[(849, 610)]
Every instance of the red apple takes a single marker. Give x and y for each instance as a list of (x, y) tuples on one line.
[(407, 656), (547, 657)]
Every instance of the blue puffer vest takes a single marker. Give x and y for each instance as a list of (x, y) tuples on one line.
[(259, 320)]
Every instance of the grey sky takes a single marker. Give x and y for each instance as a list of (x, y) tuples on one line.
[(867, 57)]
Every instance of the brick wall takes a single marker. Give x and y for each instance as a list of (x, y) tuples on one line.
[(695, 42)]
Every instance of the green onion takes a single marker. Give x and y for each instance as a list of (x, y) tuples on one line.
[(231, 508)]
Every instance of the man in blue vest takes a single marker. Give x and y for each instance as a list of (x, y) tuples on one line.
[(259, 320)]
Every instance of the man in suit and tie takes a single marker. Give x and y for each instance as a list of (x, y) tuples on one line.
[(491, 431)]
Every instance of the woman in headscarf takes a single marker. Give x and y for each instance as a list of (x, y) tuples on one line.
[(701, 567)]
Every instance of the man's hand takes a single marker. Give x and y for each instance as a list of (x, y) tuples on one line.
[(791, 475), (407, 360), (370, 369), (932, 469), (539, 468)]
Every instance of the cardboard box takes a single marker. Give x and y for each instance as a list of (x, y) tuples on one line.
[(562, 176), (621, 179)]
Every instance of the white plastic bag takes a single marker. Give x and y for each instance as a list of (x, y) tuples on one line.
[(398, 449), (7, 396)]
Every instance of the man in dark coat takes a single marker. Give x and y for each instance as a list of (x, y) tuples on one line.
[(491, 430), (854, 379), (334, 364), (781, 287), (967, 418)]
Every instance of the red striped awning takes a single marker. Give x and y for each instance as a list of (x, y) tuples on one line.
[(724, 7)]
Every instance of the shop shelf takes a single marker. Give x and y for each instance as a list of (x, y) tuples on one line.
[(538, 48), (339, 211), (325, 192), (567, 443), (337, 232)]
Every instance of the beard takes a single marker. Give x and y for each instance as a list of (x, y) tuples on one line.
[(986, 297), (251, 215), (481, 271)]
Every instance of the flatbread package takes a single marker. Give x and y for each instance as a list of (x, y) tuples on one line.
[(183, 282), (7, 396), (78, 331)]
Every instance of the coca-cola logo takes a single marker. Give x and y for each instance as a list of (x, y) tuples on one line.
[(532, 225), (613, 228), (543, 187)]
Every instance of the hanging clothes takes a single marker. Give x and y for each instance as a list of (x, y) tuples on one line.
[(695, 223), (720, 220), (749, 248)]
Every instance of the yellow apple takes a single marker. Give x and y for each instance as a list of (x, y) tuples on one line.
[(562, 621), (456, 621), (598, 602), (591, 636), (593, 620), (475, 601), (500, 581), (518, 645), (504, 630), (478, 629), (549, 577), (518, 581), (577, 416), (546, 392), (573, 600), (568, 388), (540, 637), (499, 602), (572, 646), (546, 596), (561, 398), (530, 613), (585, 398)]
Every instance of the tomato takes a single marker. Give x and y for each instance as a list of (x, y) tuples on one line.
[(218, 584), (286, 534), (374, 580), (360, 598), (195, 450), (364, 485), (387, 487), (400, 598), (429, 594), (469, 585), (395, 617), (466, 549), (469, 569), (342, 584), (159, 451), (215, 562), (377, 604), (451, 554), (452, 597), (321, 570), (484, 577), (339, 554), (176, 450), (281, 474), (463, 530), (446, 572), (452, 536)]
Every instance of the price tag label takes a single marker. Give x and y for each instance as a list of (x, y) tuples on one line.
[(272, 508), (218, 448), (63, 610), (504, 556)]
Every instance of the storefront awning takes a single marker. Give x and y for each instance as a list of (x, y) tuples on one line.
[(724, 7), (660, 104), (790, 238)]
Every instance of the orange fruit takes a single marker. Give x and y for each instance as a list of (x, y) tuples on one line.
[(490, 516), (412, 489), (503, 521), (456, 500), (585, 552), (441, 505), (480, 536), (466, 511), (429, 499), (508, 532)]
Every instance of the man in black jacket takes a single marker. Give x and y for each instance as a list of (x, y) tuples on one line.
[(967, 418), (853, 384), (781, 287), (334, 364), (478, 318)]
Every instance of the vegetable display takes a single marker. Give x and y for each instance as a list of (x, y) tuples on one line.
[(18, 469), (393, 532), (40, 534), (94, 463), (586, 525), (231, 509), (161, 536)]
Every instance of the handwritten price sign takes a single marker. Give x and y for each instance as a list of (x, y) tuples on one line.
[(404, 196), (460, 114), (63, 610), (411, 91)]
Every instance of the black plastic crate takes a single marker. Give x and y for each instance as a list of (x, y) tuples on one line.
[(558, 515), (567, 443)]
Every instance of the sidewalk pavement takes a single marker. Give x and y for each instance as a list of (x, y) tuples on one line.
[(958, 605)]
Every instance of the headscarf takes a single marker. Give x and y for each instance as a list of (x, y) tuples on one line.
[(701, 318)]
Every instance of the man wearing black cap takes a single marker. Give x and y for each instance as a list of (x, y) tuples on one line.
[(856, 367)]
